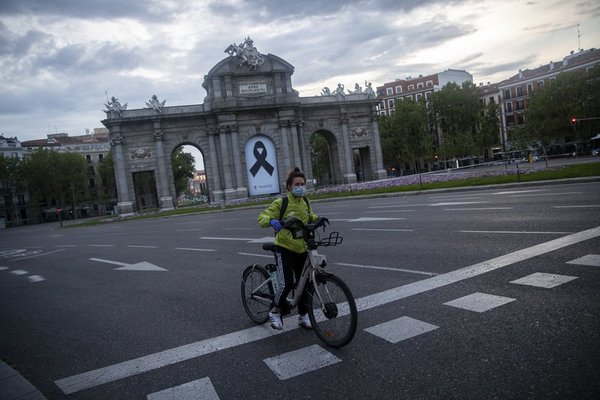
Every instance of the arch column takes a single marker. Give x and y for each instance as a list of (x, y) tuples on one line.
[(238, 166), (217, 190), (117, 142), (164, 194), (285, 147), (349, 175), (380, 172)]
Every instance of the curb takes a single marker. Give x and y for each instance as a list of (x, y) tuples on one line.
[(13, 386)]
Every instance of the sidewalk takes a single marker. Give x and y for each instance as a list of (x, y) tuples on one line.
[(13, 386)]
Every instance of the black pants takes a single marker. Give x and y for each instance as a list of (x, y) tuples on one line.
[(289, 264)]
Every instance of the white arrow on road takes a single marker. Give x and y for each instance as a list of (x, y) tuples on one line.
[(141, 266)]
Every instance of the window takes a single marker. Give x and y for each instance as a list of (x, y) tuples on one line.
[(519, 91), (100, 157), (507, 94), (88, 157), (418, 96), (520, 120), (382, 105), (540, 84), (429, 83), (491, 100), (427, 95), (389, 91), (419, 85), (398, 89), (509, 120), (411, 87), (520, 105), (391, 103), (529, 88), (508, 107), (409, 97), (92, 183)]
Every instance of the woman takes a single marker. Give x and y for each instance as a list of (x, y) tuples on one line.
[(291, 253)]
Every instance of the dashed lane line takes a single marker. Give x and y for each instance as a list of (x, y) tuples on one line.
[(411, 271), (519, 232), (111, 373)]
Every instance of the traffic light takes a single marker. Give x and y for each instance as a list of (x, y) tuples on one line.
[(573, 121)]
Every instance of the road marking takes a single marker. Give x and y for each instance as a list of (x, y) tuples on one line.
[(520, 191), (478, 209), (587, 206), (383, 229), (101, 245), (201, 389), (389, 211), (400, 329), (412, 271), (456, 203), (141, 266), (3, 268), (544, 194), (115, 372), (256, 255), (192, 249), (38, 255), (519, 232), (142, 247), (36, 278), (540, 279), (592, 260), (480, 302), (19, 272), (371, 219), (226, 238), (298, 362), (399, 205), (65, 245)]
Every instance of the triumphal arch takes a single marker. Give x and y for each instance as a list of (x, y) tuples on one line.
[(252, 128)]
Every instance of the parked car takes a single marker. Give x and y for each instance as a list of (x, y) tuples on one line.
[(596, 152)]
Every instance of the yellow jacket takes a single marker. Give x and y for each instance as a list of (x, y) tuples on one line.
[(297, 208)]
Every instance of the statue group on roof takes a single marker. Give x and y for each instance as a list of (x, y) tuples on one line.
[(246, 54)]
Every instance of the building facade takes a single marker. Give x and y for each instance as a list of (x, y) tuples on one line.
[(516, 90), (417, 88)]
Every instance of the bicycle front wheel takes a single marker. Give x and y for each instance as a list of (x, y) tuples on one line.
[(333, 314), (257, 293)]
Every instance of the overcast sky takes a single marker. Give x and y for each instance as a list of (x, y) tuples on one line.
[(59, 57)]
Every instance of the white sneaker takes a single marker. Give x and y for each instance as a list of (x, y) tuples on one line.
[(304, 321), (276, 322)]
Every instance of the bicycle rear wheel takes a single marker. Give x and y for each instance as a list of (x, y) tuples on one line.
[(257, 293), (334, 319)]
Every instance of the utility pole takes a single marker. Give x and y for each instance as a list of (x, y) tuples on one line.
[(578, 39)]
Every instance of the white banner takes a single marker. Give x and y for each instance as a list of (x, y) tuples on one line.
[(261, 165)]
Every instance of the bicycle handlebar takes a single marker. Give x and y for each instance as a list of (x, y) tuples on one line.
[(308, 232)]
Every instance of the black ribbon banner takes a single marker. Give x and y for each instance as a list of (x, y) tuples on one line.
[(261, 159)]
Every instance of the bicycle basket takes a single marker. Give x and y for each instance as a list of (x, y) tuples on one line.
[(333, 239)]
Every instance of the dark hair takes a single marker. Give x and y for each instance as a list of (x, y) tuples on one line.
[(295, 173)]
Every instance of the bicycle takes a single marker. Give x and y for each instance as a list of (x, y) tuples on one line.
[(331, 306)]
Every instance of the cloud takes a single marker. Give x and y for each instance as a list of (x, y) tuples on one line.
[(151, 10)]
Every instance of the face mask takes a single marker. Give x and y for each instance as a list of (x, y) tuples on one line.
[(299, 191)]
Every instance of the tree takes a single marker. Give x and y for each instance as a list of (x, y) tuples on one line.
[(55, 178), (11, 184), (488, 135), (457, 111), (405, 136), (319, 156), (571, 94), (183, 169)]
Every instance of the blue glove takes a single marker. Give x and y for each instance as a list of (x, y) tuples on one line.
[(275, 224)]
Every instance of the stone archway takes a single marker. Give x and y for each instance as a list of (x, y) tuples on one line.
[(244, 101), (324, 153)]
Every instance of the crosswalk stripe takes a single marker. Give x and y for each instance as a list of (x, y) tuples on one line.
[(298, 362), (592, 260), (201, 389), (479, 302), (543, 280), (400, 329)]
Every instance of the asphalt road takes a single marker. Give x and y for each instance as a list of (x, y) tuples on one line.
[(151, 309)]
